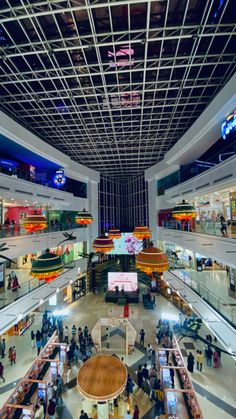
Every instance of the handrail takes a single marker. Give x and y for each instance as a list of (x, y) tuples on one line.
[(8, 232), (209, 296), (194, 280), (208, 227), (29, 287)]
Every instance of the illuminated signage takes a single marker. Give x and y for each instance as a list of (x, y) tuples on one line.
[(228, 125), (59, 179)]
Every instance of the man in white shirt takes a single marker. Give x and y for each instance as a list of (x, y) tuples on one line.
[(128, 415), (39, 412)]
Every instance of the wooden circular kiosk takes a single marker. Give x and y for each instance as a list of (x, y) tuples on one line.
[(102, 378)]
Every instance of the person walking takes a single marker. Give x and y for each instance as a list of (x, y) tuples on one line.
[(223, 227), (83, 415), (73, 332), (172, 376), (10, 350), (136, 412), (3, 348), (190, 362), (14, 355), (2, 372), (39, 412), (32, 335), (145, 373), (200, 358), (149, 351), (160, 400), (153, 359), (140, 377), (209, 354), (142, 337), (51, 409), (128, 415), (216, 359), (66, 334), (38, 346), (129, 386)]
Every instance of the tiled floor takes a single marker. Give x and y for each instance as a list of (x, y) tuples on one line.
[(217, 385)]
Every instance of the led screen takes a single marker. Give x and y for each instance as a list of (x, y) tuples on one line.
[(127, 244), (124, 280)]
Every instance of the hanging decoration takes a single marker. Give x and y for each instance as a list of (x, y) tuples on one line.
[(47, 267), (142, 233), (152, 259), (114, 234), (34, 222), (103, 244), (83, 218), (183, 211)]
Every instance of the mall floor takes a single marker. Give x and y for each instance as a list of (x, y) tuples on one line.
[(215, 387)]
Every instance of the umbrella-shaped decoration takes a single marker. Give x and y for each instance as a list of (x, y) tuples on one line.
[(114, 234), (103, 244), (152, 259), (47, 266), (142, 232), (35, 222), (184, 211), (83, 218)]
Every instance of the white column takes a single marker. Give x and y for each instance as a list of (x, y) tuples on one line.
[(152, 191), (103, 412), (92, 194)]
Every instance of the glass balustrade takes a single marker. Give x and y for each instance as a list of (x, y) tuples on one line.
[(19, 230), (8, 296), (205, 227), (228, 311)]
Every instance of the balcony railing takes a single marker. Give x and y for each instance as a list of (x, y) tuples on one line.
[(225, 309), (205, 227), (19, 230), (10, 296)]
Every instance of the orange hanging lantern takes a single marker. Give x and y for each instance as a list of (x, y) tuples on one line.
[(103, 244), (152, 259), (35, 222), (142, 233), (47, 267), (184, 211), (114, 234), (83, 218)]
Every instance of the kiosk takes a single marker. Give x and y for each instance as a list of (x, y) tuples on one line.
[(102, 379)]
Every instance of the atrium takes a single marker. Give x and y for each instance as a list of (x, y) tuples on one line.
[(117, 209)]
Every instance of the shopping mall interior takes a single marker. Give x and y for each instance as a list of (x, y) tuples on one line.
[(117, 209)]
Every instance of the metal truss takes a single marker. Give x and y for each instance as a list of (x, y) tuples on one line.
[(113, 84)]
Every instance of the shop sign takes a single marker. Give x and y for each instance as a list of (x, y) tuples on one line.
[(229, 125)]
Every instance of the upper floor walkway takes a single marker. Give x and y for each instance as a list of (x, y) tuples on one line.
[(212, 228), (222, 249)]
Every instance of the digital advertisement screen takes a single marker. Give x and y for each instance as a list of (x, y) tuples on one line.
[(127, 244), (128, 281)]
